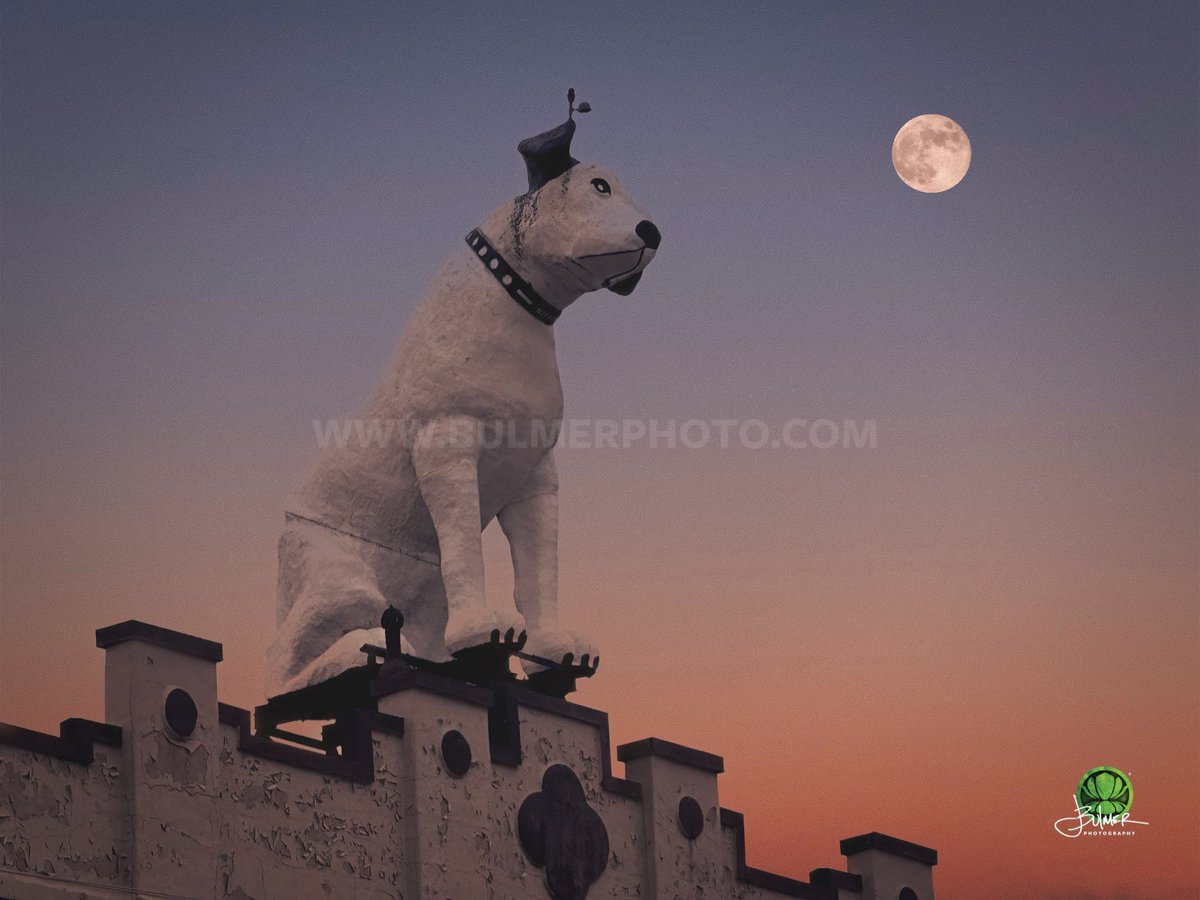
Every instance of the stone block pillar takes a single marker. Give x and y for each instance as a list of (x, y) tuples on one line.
[(682, 816), (891, 869), (160, 687), (447, 785)]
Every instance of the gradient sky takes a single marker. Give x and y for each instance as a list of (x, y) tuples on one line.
[(217, 217)]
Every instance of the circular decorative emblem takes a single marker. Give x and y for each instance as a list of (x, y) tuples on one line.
[(691, 818), (1105, 791), (456, 753), (180, 711), (560, 832)]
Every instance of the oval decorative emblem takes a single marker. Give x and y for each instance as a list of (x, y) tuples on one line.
[(691, 818), (180, 712), (561, 833), (456, 753)]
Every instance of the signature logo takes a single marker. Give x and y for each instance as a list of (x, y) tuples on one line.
[(1102, 806)]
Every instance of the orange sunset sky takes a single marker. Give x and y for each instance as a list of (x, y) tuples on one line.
[(215, 220)]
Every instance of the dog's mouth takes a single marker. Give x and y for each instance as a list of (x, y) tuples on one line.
[(625, 286), (620, 270)]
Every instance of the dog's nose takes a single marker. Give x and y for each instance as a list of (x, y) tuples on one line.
[(648, 232)]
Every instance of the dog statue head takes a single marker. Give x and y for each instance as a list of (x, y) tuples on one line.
[(576, 229)]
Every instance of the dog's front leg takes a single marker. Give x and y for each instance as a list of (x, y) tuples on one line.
[(530, 523), (446, 460)]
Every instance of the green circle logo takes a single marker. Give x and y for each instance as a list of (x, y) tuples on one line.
[(1105, 791)]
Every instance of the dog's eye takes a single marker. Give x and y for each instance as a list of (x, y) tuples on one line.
[(601, 186)]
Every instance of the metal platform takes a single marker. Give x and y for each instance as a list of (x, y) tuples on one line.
[(487, 665)]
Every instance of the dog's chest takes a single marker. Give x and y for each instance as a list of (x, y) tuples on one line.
[(470, 350)]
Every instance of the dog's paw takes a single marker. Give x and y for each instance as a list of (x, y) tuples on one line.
[(482, 625), (556, 646)]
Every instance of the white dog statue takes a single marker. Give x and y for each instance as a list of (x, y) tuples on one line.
[(474, 381)]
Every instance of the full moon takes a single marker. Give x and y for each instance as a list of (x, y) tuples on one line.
[(931, 153)]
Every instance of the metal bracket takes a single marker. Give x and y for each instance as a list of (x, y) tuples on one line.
[(485, 665)]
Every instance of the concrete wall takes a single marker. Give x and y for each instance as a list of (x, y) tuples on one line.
[(177, 797), (285, 832), (63, 818)]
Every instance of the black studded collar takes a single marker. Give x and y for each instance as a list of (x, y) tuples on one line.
[(516, 286)]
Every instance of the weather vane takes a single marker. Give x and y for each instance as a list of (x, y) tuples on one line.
[(583, 107)]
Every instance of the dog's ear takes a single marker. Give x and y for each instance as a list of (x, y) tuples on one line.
[(625, 287)]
